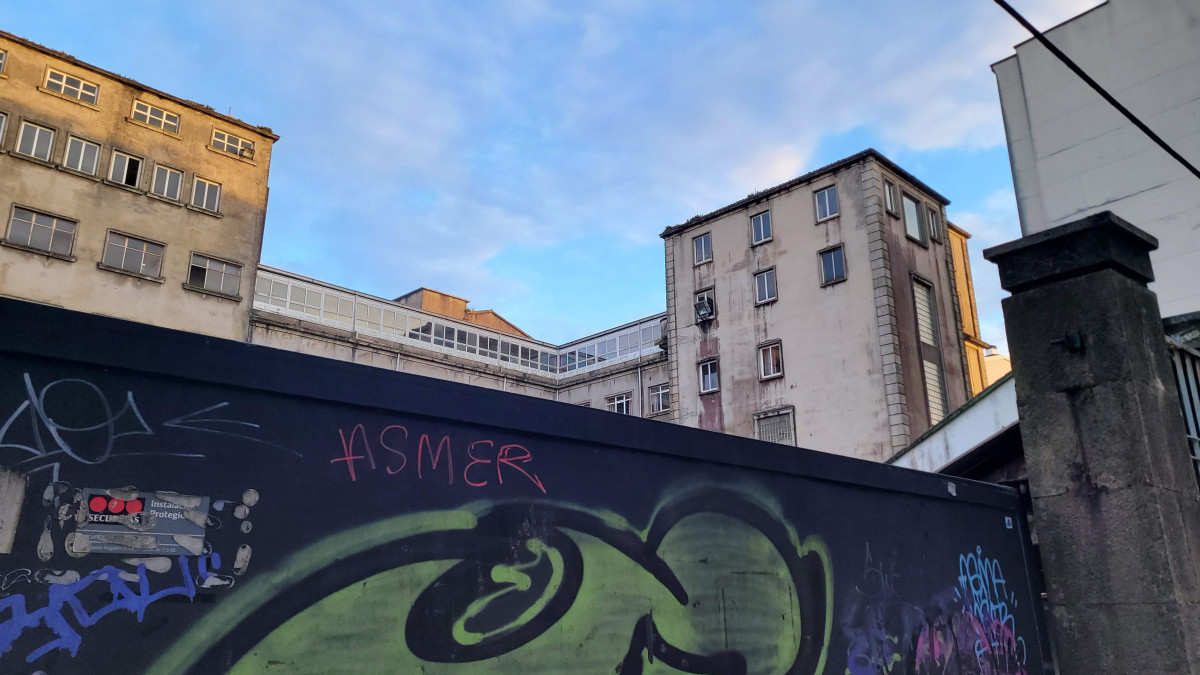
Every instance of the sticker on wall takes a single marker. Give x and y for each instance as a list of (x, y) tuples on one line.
[(124, 521)]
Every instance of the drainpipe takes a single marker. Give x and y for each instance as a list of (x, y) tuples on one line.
[(641, 401)]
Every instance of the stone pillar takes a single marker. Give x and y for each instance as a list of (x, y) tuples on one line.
[(1115, 500)]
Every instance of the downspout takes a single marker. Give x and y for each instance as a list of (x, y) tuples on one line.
[(641, 400)]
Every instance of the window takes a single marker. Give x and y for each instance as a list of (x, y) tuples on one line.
[(764, 286), (270, 292), (934, 231), (215, 275), (710, 379), (833, 265), (133, 255), (3, 60), (914, 225), (702, 247), (167, 182), (827, 204), (889, 195), (706, 305), (41, 231), (619, 403), (776, 428), (72, 87), (155, 117), (206, 194), (770, 361), (35, 141), (660, 398), (227, 142), (760, 227), (931, 356), (82, 156), (3, 125), (126, 169)]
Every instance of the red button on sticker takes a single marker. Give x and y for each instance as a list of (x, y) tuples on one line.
[(116, 505), (98, 503)]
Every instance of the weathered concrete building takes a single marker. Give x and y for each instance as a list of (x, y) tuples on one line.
[(821, 311), (123, 200)]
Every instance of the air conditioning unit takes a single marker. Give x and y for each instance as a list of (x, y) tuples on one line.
[(704, 310)]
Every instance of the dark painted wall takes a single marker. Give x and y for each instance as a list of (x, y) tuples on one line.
[(355, 520)]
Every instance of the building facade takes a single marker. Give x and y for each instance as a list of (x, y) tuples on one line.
[(974, 348), (122, 200), (821, 312), (1074, 155)]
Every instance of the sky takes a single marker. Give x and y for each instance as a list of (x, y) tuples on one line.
[(526, 154)]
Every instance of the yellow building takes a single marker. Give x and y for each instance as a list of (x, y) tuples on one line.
[(123, 200), (974, 345)]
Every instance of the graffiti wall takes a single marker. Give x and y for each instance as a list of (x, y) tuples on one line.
[(193, 505)]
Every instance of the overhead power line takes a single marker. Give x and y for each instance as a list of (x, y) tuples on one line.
[(1098, 89)]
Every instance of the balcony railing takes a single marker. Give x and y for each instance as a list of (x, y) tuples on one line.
[(291, 295)]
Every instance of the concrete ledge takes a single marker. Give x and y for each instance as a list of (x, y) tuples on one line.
[(1100, 241)]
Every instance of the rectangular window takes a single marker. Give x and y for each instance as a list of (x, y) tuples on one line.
[(72, 87), (35, 141), (619, 403), (270, 292), (776, 428), (167, 182), (133, 255), (155, 117), (760, 227), (764, 286), (935, 232), (82, 156), (3, 60), (914, 224), (770, 361), (660, 398), (3, 126), (226, 142), (215, 275), (931, 357), (41, 231), (833, 265), (889, 195), (710, 379), (206, 194), (126, 169), (827, 203), (706, 305), (702, 248)]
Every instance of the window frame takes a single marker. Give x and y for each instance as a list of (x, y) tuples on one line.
[(67, 155), (770, 228), (788, 412), (28, 246), (715, 365), (930, 353), (21, 134), (225, 144), (616, 401), (837, 211), (133, 112), (711, 294), (933, 221), (821, 267), (774, 287), (50, 70), (204, 289), (768, 347), (3, 61), (3, 129), (890, 195), (178, 198), (120, 269), (707, 237), (923, 230), (112, 164), (655, 393), (196, 180)]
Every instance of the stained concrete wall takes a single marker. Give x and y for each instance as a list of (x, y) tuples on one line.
[(75, 281), (1073, 154), (634, 377)]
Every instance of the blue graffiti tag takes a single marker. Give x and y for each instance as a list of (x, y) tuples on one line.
[(134, 600)]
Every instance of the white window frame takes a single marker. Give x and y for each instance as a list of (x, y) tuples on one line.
[(3, 128), (212, 265), (707, 294), (178, 196), (209, 186), (53, 226), (889, 195), (37, 134), (933, 223), (660, 398), (840, 249), (164, 116), (786, 415), (84, 143), (710, 368), (919, 214), (231, 144), (821, 201), (113, 241), (3, 59), (621, 404), (759, 233), (112, 165), (768, 368), (767, 274), (82, 93), (706, 238)]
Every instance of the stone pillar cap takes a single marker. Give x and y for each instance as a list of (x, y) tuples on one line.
[(1099, 241)]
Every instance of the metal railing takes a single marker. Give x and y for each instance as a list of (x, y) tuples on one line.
[(280, 292), (1185, 362)]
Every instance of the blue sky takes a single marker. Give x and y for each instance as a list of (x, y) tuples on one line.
[(525, 154)]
